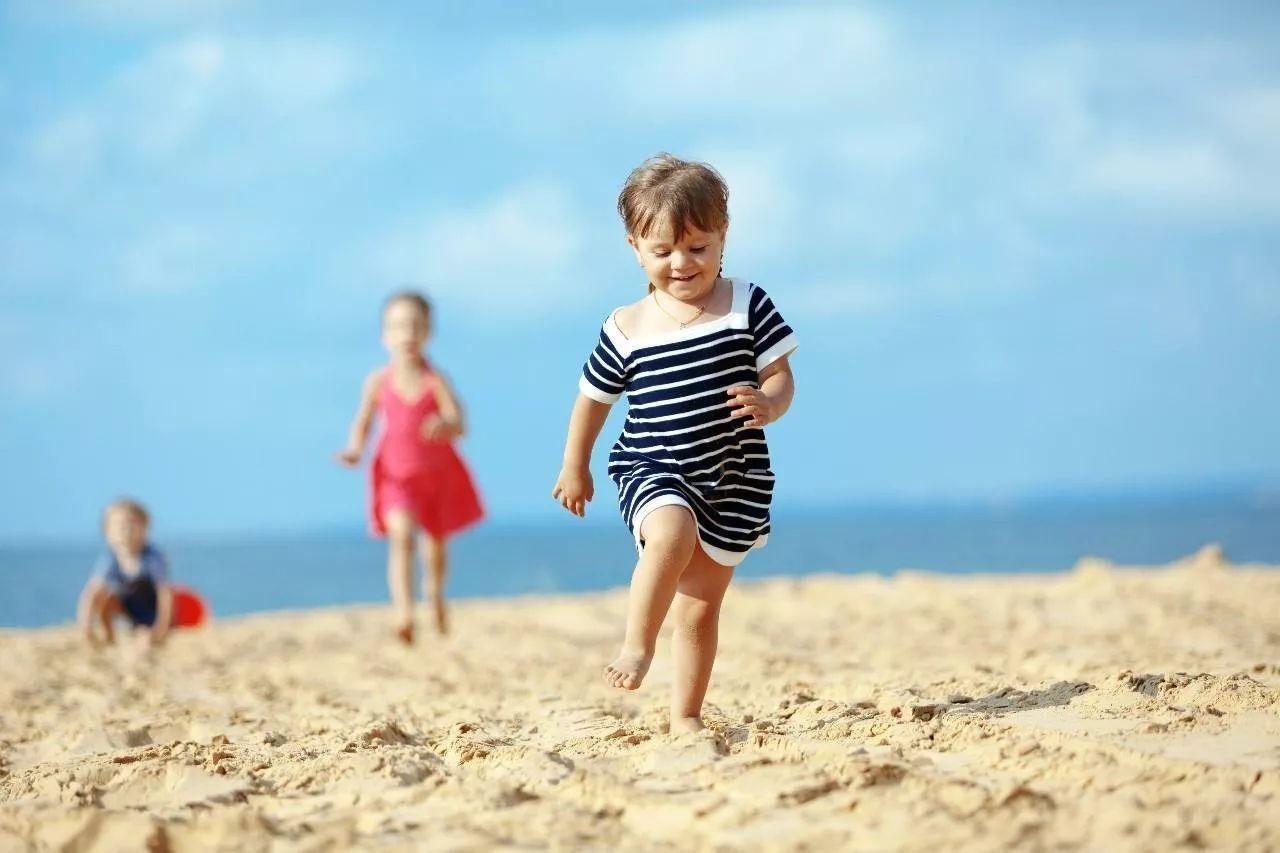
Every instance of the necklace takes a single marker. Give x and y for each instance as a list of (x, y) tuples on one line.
[(683, 323)]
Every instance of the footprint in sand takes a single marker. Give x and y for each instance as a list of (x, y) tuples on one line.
[(111, 739), (684, 753)]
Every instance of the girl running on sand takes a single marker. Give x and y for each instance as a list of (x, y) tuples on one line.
[(703, 360), (419, 484)]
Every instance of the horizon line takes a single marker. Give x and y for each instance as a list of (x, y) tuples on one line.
[(1254, 493)]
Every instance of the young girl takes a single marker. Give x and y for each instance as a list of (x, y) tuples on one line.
[(131, 579), (703, 360), (418, 483)]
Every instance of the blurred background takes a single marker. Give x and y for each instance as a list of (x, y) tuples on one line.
[(1032, 253)]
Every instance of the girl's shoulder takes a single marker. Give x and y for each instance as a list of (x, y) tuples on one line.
[(374, 380), (105, 564), (629, 318)]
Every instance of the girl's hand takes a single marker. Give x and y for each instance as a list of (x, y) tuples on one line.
[(439, 428), (349, 457), (574, 489), (752, 403)]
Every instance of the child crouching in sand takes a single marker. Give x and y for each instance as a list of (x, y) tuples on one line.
[(130, 580), (703, 360)]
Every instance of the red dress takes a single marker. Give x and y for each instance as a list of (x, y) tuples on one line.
[(428, 479)]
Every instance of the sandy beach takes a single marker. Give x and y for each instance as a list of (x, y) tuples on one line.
[(1103, 708)]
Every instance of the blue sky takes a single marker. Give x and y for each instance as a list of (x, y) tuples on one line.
[(1025, 249)]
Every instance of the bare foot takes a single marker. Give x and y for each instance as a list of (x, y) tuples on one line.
[(686, 725), (442, 618), (628, 670), (405, 633)]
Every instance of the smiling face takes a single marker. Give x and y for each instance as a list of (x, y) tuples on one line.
[(676, 213), (405, 328), (685, 267)]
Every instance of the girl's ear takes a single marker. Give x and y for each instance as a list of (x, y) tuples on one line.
[(635, 247)]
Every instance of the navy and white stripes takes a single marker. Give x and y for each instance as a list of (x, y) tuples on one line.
[(680, 444)]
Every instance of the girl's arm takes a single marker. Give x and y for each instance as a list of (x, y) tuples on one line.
[(164, 613), (769, 402), (450, 423), (84, 608), (574, 487), (359, 433)]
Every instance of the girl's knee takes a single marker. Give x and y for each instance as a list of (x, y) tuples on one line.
[(104, 603), (670, 528), (695, 613), (399, 528)]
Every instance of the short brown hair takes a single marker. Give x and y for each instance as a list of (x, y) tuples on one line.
[(128, 505), (667, 190), (413, 297)]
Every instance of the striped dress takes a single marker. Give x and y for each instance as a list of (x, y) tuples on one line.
[(680, 444)]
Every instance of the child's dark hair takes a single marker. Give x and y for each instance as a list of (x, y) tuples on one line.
[(665, 190), (413, 297), (129, 505)]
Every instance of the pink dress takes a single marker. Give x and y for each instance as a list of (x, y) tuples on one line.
[(428, 479)]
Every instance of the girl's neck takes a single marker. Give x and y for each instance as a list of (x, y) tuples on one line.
[(408, 363), (126, 558)]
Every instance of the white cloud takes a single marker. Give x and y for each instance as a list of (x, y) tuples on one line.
[(185, 92), (193, 124), (756, 64), (1162, 172), (763, 203), (864, 189), (1165, 127), (513, 255), (274, 101), (848, 141), (1205, 177), (791, 60)]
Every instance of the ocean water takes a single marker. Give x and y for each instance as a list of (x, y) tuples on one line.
[(40, 583)]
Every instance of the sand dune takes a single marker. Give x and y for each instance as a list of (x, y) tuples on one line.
[(1098, 709)]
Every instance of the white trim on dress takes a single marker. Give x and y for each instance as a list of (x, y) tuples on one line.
[(735, 319), (589, 390), (782, 348), (720, 555)]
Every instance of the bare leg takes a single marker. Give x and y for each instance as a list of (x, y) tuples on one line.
[(435, 559), (670, 535), (400, 571), (695, 634), (106, 607)]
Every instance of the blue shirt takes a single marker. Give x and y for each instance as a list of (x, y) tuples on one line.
[(152, 567)]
